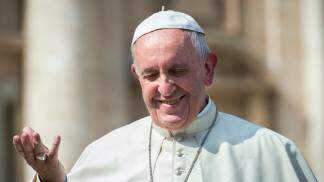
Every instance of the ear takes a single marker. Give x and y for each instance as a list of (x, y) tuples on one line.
[(210, 66), (133, 68)]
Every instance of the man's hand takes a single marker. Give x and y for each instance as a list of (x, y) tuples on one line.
[(43, 160)]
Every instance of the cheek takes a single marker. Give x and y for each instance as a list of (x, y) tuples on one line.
[(191, 85), (148, 91)]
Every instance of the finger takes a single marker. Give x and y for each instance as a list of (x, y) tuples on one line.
[(18, 145), (37, 138), (40, 148), (29, 131), (27, 128), (27, 148), (55, 147), (16, 139)]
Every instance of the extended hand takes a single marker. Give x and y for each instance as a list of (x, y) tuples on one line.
[(43, 160)]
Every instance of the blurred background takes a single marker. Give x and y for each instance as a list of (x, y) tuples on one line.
[(65, 68)]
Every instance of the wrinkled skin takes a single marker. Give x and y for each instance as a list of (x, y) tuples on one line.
[(29, 145), (172, 77)]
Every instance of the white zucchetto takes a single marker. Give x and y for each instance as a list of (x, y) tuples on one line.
[(166, 19)]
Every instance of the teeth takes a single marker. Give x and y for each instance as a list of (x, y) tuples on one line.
[(170, 102)]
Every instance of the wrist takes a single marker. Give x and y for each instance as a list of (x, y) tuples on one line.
[(43, 180), (58, 175)]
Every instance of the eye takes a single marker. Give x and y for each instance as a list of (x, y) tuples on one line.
[(151, 76), (178, 71)]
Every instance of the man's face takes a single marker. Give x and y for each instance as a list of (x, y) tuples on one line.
[(172, 77)]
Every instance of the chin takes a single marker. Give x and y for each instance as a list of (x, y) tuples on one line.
[(173, 127), (173, 124), (171, 121)]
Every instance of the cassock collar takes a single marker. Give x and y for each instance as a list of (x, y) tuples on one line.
[(203, 121)]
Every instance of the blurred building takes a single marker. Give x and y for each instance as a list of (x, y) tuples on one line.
[(64, 68)]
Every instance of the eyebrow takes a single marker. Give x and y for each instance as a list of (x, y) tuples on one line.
[(181, 65), (148, 71)]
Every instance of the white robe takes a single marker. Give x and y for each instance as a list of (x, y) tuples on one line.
[(234, 151)]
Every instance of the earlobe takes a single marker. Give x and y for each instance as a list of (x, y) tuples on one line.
[(133, 69), (210, 66)]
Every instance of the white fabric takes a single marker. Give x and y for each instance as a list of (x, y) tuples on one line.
[(166, 19), (235, 151)]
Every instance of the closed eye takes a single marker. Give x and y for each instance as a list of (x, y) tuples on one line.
[(178, 71), (151, 76)]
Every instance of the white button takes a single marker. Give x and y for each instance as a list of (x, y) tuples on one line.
[(180, 153), (179, 171), (179, 139)]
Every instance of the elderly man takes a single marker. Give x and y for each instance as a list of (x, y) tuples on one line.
[(185, 138)]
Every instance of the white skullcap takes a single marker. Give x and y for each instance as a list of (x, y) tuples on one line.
[(166, 19)]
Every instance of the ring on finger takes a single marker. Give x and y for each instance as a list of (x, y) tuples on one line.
[(41, 157)]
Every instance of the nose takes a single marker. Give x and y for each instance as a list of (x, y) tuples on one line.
[(166, 87)]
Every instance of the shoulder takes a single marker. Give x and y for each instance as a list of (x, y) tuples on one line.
[(265, 151), (116, 148), (125, 138), (234, 129), (238, 130), (251, 140), (234, 122)]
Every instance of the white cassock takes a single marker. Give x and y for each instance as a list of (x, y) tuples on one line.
[(235, 151)]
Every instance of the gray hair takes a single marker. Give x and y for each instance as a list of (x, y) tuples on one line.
[(198, 41)]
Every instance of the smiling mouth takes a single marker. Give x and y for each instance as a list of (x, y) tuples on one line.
[(171, 101)]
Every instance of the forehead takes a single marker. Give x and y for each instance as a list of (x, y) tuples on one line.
[(165, 46)]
